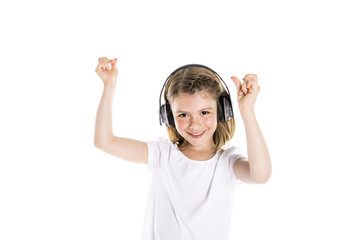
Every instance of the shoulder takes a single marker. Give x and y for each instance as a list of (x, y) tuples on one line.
[(159, 152), (161, 146), (229, 156), (231, 153), (161, 142)]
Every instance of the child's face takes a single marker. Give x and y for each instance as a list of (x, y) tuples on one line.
[(196, 118)]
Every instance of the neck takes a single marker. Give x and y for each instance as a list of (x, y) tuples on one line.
[(200, 153)]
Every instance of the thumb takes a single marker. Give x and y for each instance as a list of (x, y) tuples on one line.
[(237, 84), (113, 63)]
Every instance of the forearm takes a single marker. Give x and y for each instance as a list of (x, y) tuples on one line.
[(258, 153), (103, 125)]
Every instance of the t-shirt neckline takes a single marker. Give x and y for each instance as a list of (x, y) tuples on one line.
[(196, 161)]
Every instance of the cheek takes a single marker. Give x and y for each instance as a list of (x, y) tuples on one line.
[(211, 122), (180, 124)]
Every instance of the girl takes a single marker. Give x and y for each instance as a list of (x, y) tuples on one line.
[(193, 175)]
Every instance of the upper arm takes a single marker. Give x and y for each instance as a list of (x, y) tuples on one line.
[(241, 170), (127, 149)]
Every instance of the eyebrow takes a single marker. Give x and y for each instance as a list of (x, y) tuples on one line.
[(204, 109)]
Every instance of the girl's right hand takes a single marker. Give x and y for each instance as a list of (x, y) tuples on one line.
[(106, 69)]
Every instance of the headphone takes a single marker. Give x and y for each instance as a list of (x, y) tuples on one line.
[(226, 110)]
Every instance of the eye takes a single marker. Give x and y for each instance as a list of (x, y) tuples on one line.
[(204, 112), (183, 115)]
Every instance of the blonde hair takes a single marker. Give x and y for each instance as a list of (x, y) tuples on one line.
[(191, 80)]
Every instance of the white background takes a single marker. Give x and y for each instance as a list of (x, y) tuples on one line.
[(54, 184)]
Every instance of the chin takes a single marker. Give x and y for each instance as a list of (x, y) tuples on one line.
[(199, 141)]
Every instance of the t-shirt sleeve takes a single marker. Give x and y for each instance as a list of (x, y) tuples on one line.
[(234, 154), (155, 151)]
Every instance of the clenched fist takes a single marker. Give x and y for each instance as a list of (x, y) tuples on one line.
[(247, 90), (106, 69)]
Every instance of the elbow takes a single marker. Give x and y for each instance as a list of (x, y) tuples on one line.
[(263, 178), (99, 144), (264, 175), (102, 143)]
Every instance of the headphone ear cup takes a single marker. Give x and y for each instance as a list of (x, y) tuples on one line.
[(221, 109), (166, 115), (226, 112), (163, 118), (170, 117)]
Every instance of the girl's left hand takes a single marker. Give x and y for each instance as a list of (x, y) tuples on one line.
[(247, 91)]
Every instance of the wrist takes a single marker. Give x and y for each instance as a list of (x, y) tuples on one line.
[(110, 84), (247, 111), (247, 114), (109, 88)]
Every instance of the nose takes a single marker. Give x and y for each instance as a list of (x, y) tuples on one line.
[(195, 123)]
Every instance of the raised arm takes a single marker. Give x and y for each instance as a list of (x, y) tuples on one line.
[(124, 148), (257, 169)]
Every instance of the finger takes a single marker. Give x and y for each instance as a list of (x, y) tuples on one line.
[(104, 66), (251, 86), (251, 76), (103, 62), (103, 59), (113, 63), (237, 82), (244, 87), (250, 83), (99, 68)]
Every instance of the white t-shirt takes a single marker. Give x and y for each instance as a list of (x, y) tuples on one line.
[(189, 199)]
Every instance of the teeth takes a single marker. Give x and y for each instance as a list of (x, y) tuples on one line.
[(196, 134)]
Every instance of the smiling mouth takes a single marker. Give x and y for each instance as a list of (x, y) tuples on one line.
[(197, 135)]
